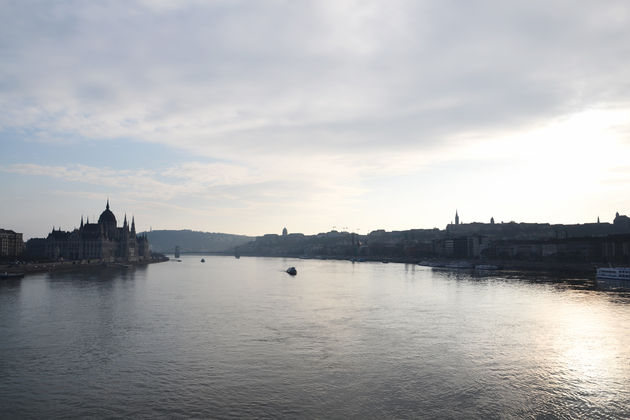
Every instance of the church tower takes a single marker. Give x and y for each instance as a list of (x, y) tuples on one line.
[(456, 218)]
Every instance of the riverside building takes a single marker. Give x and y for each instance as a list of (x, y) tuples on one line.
[(103, 241), (11, 244)]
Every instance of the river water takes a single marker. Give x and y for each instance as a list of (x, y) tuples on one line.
[(236, 338)]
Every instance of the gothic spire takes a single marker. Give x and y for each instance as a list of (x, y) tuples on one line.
[(81, 221), (133, 225), (125, 222)]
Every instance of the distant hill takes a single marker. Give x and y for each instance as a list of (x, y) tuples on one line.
[(193, 241)]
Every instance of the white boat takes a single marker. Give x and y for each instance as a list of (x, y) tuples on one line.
[(614, 273)]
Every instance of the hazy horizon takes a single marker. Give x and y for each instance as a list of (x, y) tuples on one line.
[(243, 118), (94, 218)]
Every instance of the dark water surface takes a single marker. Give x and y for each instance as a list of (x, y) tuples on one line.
[(240, 338)]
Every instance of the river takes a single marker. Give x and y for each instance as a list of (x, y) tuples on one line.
[(240, 338)]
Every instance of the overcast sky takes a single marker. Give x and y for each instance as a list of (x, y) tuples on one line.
[(248, 116)]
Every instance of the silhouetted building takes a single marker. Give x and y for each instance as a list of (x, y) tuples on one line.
[(583, 243), (95, 241), (35, 248), (616, 249), (285, 232), (11, 244), (621, 222)]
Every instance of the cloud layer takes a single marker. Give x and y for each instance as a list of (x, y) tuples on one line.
[(324, 96), (283, 76)]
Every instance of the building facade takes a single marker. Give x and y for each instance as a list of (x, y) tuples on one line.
[(103, 241), (11, 244)]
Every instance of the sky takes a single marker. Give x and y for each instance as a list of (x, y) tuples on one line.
[(248, 116)]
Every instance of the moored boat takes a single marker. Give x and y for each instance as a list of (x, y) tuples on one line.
[(614, 273), (7, 276)]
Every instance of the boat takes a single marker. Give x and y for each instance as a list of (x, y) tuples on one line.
[(292, 271), (614, 273), (8, 276), (203, 260)]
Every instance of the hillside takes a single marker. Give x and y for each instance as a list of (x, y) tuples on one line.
[(193, 241)]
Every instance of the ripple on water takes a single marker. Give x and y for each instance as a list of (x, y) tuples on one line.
[(238, 338)]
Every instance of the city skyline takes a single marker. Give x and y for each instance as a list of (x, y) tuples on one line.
[(243, 117), (455, 220)]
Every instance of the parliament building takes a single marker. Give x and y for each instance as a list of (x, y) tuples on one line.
[(102, 241)]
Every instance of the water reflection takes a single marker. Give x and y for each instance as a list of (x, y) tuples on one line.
[(11, 283), (555, 279), (241, 338), (96, 274), (584, 350), (613, 285)]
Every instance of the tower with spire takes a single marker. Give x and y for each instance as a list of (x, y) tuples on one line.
[(456, 217)]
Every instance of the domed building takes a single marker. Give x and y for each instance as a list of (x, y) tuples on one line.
[(101, 241), (108, 221)]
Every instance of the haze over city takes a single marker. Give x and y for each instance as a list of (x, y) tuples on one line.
[(244, 117)]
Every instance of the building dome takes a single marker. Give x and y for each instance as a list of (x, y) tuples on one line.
[(107, 217)]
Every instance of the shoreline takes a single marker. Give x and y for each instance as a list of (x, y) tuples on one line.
[(56, 266), (585, 270)]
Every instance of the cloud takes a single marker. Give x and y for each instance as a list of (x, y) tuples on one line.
[(283, 78), (321, 110), (217, 183)]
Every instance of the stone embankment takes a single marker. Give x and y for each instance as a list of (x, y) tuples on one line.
[(49, 266)]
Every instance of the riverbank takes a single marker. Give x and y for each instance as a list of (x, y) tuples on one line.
[(579, 269), (586, 270), (56, 266)]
